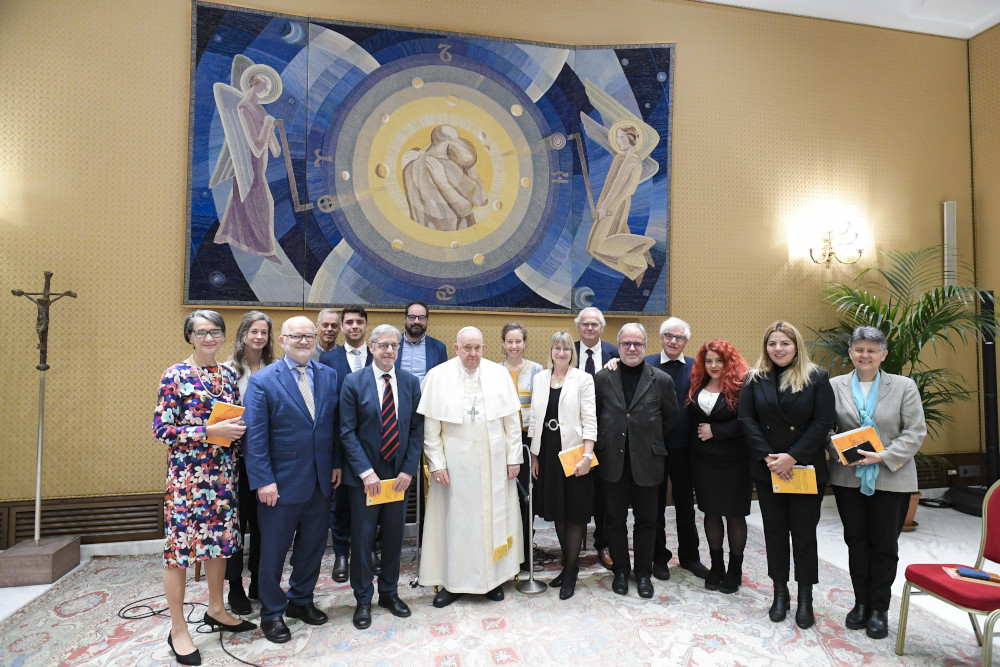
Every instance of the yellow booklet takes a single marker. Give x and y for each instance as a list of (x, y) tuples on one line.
[(221, 412), (388, 495), (570, 457), (849, 443), (803, 481)]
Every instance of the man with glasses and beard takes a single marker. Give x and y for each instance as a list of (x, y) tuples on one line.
[(419, 352)]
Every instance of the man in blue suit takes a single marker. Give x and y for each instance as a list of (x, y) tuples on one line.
[(345, 360), (382, 437), (294, 464), (592, 353), (674, 335), (418, 352)]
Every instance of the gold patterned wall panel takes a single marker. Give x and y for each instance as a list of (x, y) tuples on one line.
[(773, 114)]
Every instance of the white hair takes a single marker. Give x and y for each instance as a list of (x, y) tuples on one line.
[(600, 316), (464, 330), (673, 322)]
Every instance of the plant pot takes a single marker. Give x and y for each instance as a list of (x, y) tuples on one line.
[(911, 525)]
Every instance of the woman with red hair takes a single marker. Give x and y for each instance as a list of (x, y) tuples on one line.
[(720, 462)]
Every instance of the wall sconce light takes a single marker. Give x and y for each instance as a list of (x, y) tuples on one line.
[(834, 242)]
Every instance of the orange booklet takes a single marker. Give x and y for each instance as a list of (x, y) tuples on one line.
[(221, 412), (803, 481), (849, 443), (388, 495), (570, 457)]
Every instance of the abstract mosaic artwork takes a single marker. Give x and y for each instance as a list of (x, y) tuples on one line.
[(335, 163)]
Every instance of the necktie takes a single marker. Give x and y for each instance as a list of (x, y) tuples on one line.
[(589, 366), (355, 359), (390, 429), (306, 388)]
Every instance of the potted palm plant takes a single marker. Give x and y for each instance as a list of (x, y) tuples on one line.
[(906, 298)]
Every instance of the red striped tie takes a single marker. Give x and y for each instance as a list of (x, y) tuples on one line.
[(390, 429)]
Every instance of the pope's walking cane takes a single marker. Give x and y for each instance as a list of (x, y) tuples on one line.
[(529, 586)]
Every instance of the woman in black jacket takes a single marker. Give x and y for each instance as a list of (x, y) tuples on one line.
[(786, 410), (719, 458)]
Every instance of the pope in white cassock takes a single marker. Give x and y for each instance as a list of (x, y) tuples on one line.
[(472, 441)]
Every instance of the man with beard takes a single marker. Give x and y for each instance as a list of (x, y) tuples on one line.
[(419, 352)]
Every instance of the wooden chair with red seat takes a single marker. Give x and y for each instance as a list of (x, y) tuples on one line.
[(973, 596)]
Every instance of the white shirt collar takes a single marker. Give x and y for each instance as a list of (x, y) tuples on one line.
[(664, 358)]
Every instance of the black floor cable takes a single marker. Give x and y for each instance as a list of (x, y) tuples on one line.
[(140, 609)]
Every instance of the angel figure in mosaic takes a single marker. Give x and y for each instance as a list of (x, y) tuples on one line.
[(630, 140), (248, 221)]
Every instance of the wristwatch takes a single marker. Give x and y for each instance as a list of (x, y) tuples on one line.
[(588, 456)]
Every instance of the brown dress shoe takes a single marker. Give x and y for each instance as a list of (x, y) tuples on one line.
[(604, 555)]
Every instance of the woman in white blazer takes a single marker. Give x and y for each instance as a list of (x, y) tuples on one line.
[(874, 493), (563, 416)]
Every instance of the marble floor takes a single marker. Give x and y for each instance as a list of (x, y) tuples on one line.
[(944, 535)]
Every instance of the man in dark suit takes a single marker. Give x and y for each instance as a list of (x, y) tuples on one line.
[(294, 464), (674, 335), (382, 437), (591, 354), (418, 353), (345, 360), (636, 408)]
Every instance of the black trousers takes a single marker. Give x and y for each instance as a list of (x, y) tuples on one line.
[(246, 499), (871, 530), (618, 496), (794, 514), (678, 475)]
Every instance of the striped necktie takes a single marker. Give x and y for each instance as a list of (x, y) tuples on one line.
[(390, 429), (306, 388)]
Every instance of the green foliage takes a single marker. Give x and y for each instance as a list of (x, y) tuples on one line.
[(907, 302)]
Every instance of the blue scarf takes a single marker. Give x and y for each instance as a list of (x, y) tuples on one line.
[(866, 407)]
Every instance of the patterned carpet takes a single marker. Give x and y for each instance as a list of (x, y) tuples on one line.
[(77, 623)]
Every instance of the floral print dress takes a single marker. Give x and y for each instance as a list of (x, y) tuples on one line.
[(199, 508)]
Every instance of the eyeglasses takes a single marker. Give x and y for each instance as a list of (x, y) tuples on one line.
[(678, 337), (385, 346), (629, 345), (295, 338), (214, 333), (416, 318)]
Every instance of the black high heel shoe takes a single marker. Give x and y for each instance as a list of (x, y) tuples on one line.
[(186, 659), (242, 626)]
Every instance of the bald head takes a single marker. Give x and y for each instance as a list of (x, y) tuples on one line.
[(298, 336)]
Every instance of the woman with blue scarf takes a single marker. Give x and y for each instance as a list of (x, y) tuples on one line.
[(874, 493)]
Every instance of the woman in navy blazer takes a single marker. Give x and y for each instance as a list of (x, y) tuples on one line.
[(786, 410)]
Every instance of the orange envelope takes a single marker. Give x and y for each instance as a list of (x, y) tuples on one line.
[(570, 457), (221, 412)]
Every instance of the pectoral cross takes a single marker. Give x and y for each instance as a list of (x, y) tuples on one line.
[(473, 412)]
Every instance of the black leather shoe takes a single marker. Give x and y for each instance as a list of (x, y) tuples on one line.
[(376, 562), (558, 580), (857, 618), (620, 583), (779, 607), (238, 600), (363, 615), (395, 606), (444, 598), (878, 624), (496, 594), (307, 613), (644, 586), (275, 630), (242, 626), (568, 588), (696, 568), (661, 571), (193, 658), (804, 608), (340, 569)]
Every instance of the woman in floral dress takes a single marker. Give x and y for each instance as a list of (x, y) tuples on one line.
[(200, 502)]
